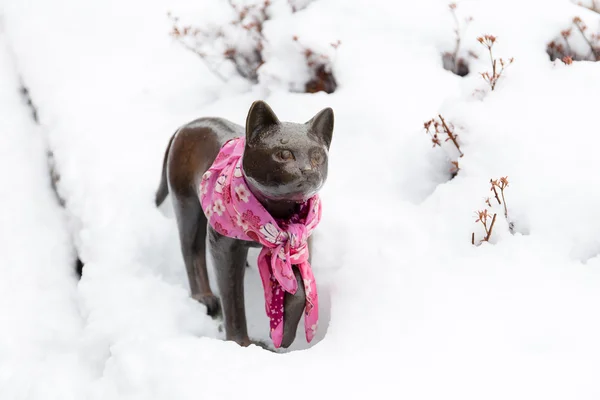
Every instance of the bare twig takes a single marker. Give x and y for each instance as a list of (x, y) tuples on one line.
[(595, 6), (320, 66), (245, 42), (489, 232), (451, 135), (503, 185), (488, 41), (484, 215), (249, 21), (494, 184), (581, 27), (452, 61), (437, 126)]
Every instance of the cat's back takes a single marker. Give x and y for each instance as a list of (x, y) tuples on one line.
[(194, 148), (213, 128)]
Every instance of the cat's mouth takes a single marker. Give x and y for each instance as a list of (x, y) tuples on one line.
[(299, 191), (301, 194)]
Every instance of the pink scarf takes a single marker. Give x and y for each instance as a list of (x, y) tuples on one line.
[(233, 211)]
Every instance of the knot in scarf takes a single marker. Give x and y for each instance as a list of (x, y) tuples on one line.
[(233, 211)]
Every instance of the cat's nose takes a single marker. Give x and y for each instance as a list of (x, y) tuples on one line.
[(306, 168)]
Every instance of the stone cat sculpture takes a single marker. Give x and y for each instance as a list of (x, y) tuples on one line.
[(283, 164)]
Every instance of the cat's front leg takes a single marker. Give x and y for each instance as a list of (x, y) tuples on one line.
[(229, 257), (293, 310)]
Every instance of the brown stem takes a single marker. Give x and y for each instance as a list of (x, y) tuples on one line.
[(484, 223), (493, 78), (495, 192), (457, 30), (489, 233), (595, 54), (450, 135), (473, 238), (567, 47), (434, 139), (504, 201)]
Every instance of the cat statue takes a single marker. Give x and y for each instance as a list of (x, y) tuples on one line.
[(250, 187)]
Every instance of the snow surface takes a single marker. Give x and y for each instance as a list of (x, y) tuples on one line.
[(410, 309)]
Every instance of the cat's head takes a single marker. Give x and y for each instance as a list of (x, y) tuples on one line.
[(286, 160)]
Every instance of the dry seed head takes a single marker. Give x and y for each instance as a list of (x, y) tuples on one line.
[(566, 33), (482, 216)]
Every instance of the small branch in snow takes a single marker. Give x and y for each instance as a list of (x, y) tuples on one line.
[(501, 184), (455, 168), (595, 6), (452, 61), (484, 216), (495, 192), (451, 135), (320, 66), (242, 43), (566, 53), (245, 54), (591, 42), (488, 41), (489, 233), (439, 126)]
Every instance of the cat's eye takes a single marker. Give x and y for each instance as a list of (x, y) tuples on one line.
[(285, 155), (317, 158)]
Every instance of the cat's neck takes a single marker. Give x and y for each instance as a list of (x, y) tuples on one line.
[(279, 209)]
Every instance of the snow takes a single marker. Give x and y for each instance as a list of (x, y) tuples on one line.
[(409, 308), (38, 299)]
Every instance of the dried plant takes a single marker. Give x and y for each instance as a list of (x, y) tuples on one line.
[(561, 49), (454, 169), (593, 41), (593, 6), (437, 127), (242, 42), (488, 222), (320, 65), (452, 61), (485, 216), (493, 77), (501, 184)]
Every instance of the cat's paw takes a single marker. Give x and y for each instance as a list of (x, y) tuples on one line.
[(212, 303), (263, 345)]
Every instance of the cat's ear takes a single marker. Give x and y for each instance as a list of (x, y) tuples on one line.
[(260, 118), (321, 125)]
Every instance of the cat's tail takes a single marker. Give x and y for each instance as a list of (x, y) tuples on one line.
[(163, 189)]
